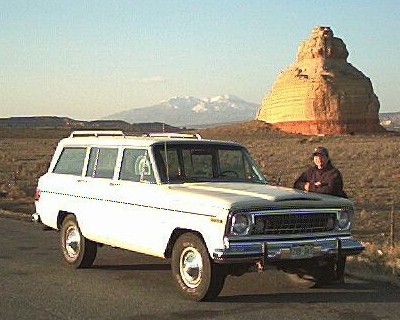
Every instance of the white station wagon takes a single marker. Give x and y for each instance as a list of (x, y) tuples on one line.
[(203, 204)]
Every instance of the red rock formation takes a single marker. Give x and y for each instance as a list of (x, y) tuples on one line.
[(321, 93)]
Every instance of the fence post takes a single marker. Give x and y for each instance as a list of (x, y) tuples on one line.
[(392, 228)]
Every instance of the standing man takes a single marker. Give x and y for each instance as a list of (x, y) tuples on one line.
[(323, 177)]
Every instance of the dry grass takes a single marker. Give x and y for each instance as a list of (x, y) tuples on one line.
[(371, 171), (369, 164), (384, 260)]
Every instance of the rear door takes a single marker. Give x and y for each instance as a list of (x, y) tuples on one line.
[(95, 189)]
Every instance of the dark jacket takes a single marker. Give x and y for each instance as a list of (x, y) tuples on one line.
[(330, 178)]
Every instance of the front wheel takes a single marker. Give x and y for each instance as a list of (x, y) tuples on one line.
[(78, 252), (196, 276)]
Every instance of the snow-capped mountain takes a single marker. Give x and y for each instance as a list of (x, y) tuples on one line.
[(390, 120), (192, 111)]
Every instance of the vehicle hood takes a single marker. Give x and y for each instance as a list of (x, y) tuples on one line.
[(249, 195)]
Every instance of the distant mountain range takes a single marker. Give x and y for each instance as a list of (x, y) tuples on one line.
[(390, 120), (177, 112), (192, 112), (195, 112), (64, 122)]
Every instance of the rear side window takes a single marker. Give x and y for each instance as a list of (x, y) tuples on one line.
[(136, 166), (71, 161), (102, 162)]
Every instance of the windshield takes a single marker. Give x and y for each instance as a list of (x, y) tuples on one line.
[(205, 162)]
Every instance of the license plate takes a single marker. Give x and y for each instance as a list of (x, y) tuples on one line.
[(302, 252)]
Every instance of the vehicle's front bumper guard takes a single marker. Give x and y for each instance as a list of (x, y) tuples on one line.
[(272, 251)]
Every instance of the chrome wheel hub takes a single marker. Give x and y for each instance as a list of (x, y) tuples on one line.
[(191, 267), (72, 242)]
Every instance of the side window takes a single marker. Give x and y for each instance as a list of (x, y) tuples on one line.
[(102, 162), (172, 160), (173, 163), (136, 166), (71, 161)]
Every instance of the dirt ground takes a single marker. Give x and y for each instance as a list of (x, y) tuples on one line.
[(369, 164)]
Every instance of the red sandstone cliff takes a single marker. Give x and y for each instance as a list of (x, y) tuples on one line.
[(321, 93)]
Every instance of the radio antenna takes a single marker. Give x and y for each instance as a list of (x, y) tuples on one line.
[(166, 155)]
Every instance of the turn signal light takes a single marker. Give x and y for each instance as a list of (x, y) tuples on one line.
[(37, 195)]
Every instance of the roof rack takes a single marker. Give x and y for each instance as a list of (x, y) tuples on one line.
[(173, 135), (97, 133)]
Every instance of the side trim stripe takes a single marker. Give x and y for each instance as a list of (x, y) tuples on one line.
[(126, 203)]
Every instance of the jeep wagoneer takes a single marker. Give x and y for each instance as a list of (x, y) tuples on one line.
[(203, 204)]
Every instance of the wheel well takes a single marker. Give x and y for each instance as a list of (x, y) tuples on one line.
[(174, 236), (60, 218)]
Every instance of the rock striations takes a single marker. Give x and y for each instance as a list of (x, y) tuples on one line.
[(321, 93)]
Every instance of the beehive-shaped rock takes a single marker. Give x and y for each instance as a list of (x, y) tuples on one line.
[(321, 93)]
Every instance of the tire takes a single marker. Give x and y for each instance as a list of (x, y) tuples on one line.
[(197, 278), (77, 251)]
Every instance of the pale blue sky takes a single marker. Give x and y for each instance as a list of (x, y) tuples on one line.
[(88, 59)]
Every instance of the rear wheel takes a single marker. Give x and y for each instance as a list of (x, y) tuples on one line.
[(78, 252), (196, 276)]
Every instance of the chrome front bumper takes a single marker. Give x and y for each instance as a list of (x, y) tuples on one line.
[(273, 251)]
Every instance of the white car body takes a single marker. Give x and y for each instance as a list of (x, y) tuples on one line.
[(149, 214)]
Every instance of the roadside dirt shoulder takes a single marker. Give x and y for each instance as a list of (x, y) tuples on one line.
[(354, 268), (15, 215)]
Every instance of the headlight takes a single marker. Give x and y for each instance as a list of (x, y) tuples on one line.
[(344, 218), (241, 224)]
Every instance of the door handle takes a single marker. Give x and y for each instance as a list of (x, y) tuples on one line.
[(114, 184)]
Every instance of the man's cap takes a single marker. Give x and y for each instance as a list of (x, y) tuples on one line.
[(321, 151)]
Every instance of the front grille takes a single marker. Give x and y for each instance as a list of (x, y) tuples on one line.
[(294, 223)]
